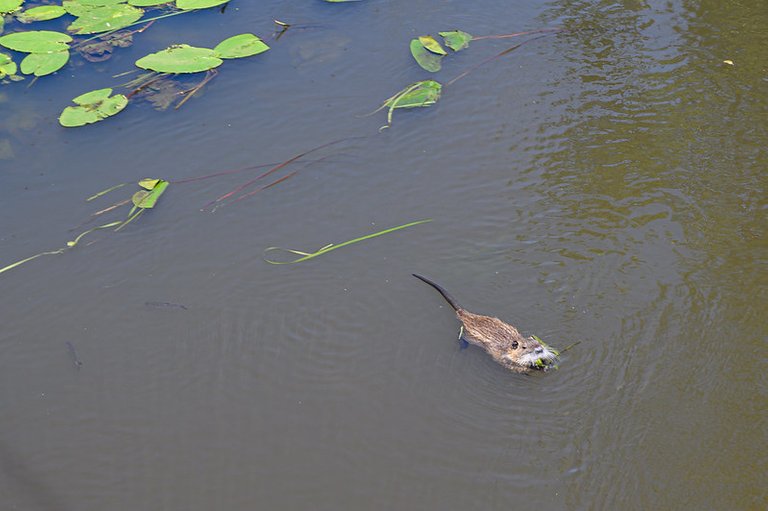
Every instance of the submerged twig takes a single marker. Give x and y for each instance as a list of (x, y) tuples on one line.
[(517, 34), (492, 58), (209, 75), (273, 170)]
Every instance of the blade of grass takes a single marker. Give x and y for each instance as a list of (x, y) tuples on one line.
[(104, 192), (331, 247)]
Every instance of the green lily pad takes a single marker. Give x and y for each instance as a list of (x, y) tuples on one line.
[(432, 45), (148, 3), (188, 5), (9, 6), (456, 39), (105, 18), (7, 66), (146, 199), (41, 64), (149, 182), (41, 13), (425, 58), (242, 45), (181, 58), (92, 107), (36, 41), (419, 94)]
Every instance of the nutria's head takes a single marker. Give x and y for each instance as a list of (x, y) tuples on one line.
[(529, 353)]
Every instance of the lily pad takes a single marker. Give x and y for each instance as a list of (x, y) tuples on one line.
[(146, 199), (456, 39), (188, 5), (148, 3), (105, 18), (425, 58), (432, 45), (36, 41), (41, 64), (181, 58), (92, 107), (7, 66), (9, 6), (419, 94), (41, 13), (242, 45)]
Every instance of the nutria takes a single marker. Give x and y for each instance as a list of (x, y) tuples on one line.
[(501, 340)]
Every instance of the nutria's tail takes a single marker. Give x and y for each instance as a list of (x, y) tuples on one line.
[(448, 298)]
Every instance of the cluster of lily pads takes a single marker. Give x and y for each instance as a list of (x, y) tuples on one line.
[(97, 105), (48, 51)]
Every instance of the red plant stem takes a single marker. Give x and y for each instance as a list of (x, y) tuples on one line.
[(275, 169), (494, 57), (516, 34), (221, 173), (270, 185)]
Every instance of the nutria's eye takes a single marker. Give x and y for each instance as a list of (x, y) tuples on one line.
[(514, 345)]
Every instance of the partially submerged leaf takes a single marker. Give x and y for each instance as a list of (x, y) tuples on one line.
[(188, 5), (7, 66), (105, 18), (425, 58), (146, 199), (149, 183), (41, 64), (456, 39), (101, 50), (41, 13), (181, 58), (92, 107), (242, 45), (9, 6), (36, 41), (148, 3), (419, 94), (432, 45)]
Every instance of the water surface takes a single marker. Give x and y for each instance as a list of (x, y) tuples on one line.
[(605, 185)]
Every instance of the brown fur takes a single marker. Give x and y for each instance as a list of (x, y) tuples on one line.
[(501, 340)]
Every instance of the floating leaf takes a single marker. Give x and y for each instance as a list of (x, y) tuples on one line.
[(146, 199), (328, 248), (36, 41), (456, 39), (419, 94), (242, 45), (188, 5), (148, 3), (9, 6), (149, 183), (425, 58), (41, 13), (93, 107), (105, 18), (41, 64), (181, 58), (7, 65), (432, 45)]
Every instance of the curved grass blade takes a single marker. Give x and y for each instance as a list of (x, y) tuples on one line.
[(70, 244), (104, 192), (328, 248)]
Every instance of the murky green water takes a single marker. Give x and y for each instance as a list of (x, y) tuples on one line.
[(605, 184)]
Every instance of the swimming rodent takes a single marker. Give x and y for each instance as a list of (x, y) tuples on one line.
[(501, 340)]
